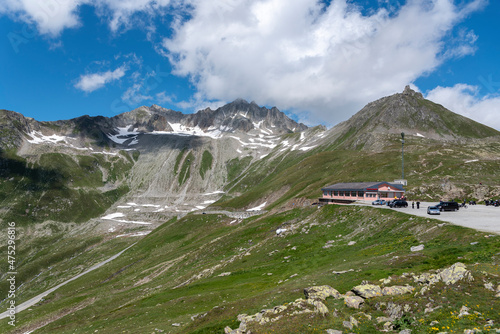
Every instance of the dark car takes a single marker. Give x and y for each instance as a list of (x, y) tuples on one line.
[(399, 203), (448, 206)]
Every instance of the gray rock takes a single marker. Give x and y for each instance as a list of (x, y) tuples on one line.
[(383, 319), (321, 292), (319, 306), (388, 326), (333, 331), (455, 273), (368, 290), (394, 311), (347, 324), (353, 301), (397, 290)]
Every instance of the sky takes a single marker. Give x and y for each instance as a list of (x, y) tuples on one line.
[(319, 61)]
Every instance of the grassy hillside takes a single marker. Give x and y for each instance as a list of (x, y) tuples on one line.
[(434, 170), (196, 274), (60, 187)]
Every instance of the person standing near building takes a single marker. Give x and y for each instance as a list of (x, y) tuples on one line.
[(418, 205), (413, 205)]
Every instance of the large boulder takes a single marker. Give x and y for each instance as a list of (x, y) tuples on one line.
[(367, 290), (455, 273), (353, 301), (321, 292), (397, 290)]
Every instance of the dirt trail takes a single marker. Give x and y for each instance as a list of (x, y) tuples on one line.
[(36, 299)]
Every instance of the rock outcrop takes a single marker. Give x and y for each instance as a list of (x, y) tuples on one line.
[(395, 311)]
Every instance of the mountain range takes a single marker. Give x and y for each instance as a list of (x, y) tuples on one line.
[(91, 186)]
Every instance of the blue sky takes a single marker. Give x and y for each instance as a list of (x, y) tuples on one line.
[(319, 61)]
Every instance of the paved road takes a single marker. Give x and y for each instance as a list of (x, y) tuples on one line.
[(36, 299), (480, 217)]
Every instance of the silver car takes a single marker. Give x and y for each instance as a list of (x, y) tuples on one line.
[(378, 202), (433, 210)]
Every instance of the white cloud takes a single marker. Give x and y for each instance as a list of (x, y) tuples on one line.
[(302, 56), (121, 11), (90, 82), (53, 16), (465, 100)]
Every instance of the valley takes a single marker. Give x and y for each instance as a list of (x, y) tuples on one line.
[(213, 212)]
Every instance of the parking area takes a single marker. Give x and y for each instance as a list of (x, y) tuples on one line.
[(480, 217)]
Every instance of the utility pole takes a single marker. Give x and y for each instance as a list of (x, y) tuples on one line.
[(402, 155)]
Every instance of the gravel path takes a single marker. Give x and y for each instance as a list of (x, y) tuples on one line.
[(36, 299), (479, 217)]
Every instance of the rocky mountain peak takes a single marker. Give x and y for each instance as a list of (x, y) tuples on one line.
[(410, 92), (411, 113)]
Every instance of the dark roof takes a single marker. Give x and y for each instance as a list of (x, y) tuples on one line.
[(360, 186)]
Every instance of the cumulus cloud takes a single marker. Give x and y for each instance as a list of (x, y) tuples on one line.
[(53, 16), (465, 100), (91, 82), (305, 56)]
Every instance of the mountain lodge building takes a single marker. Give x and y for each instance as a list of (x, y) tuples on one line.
[(359, 191)]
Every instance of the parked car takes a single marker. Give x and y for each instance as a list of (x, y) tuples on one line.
[(433, 210), (448, 206), (399, 203), (379, 202), (492, 202)]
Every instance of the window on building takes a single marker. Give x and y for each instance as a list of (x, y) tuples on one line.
[(336, 193), (341, 193), (384, 195), (361, 194)]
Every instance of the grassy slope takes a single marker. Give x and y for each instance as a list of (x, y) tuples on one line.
[(427, 165), (138, 290), (59, 187)]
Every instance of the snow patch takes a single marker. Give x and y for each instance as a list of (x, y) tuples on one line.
[(214, 193), (123, 135), (138, 234), (420, 135), (307, 148), (258, 208), (181, 130), (39, 138), (469, 161), (116, 215), (113, 216), (280, 230)]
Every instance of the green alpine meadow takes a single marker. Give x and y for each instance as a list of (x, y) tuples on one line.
[(153, 221)]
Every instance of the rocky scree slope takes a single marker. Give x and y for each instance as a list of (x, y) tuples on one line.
[(157, 156)]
